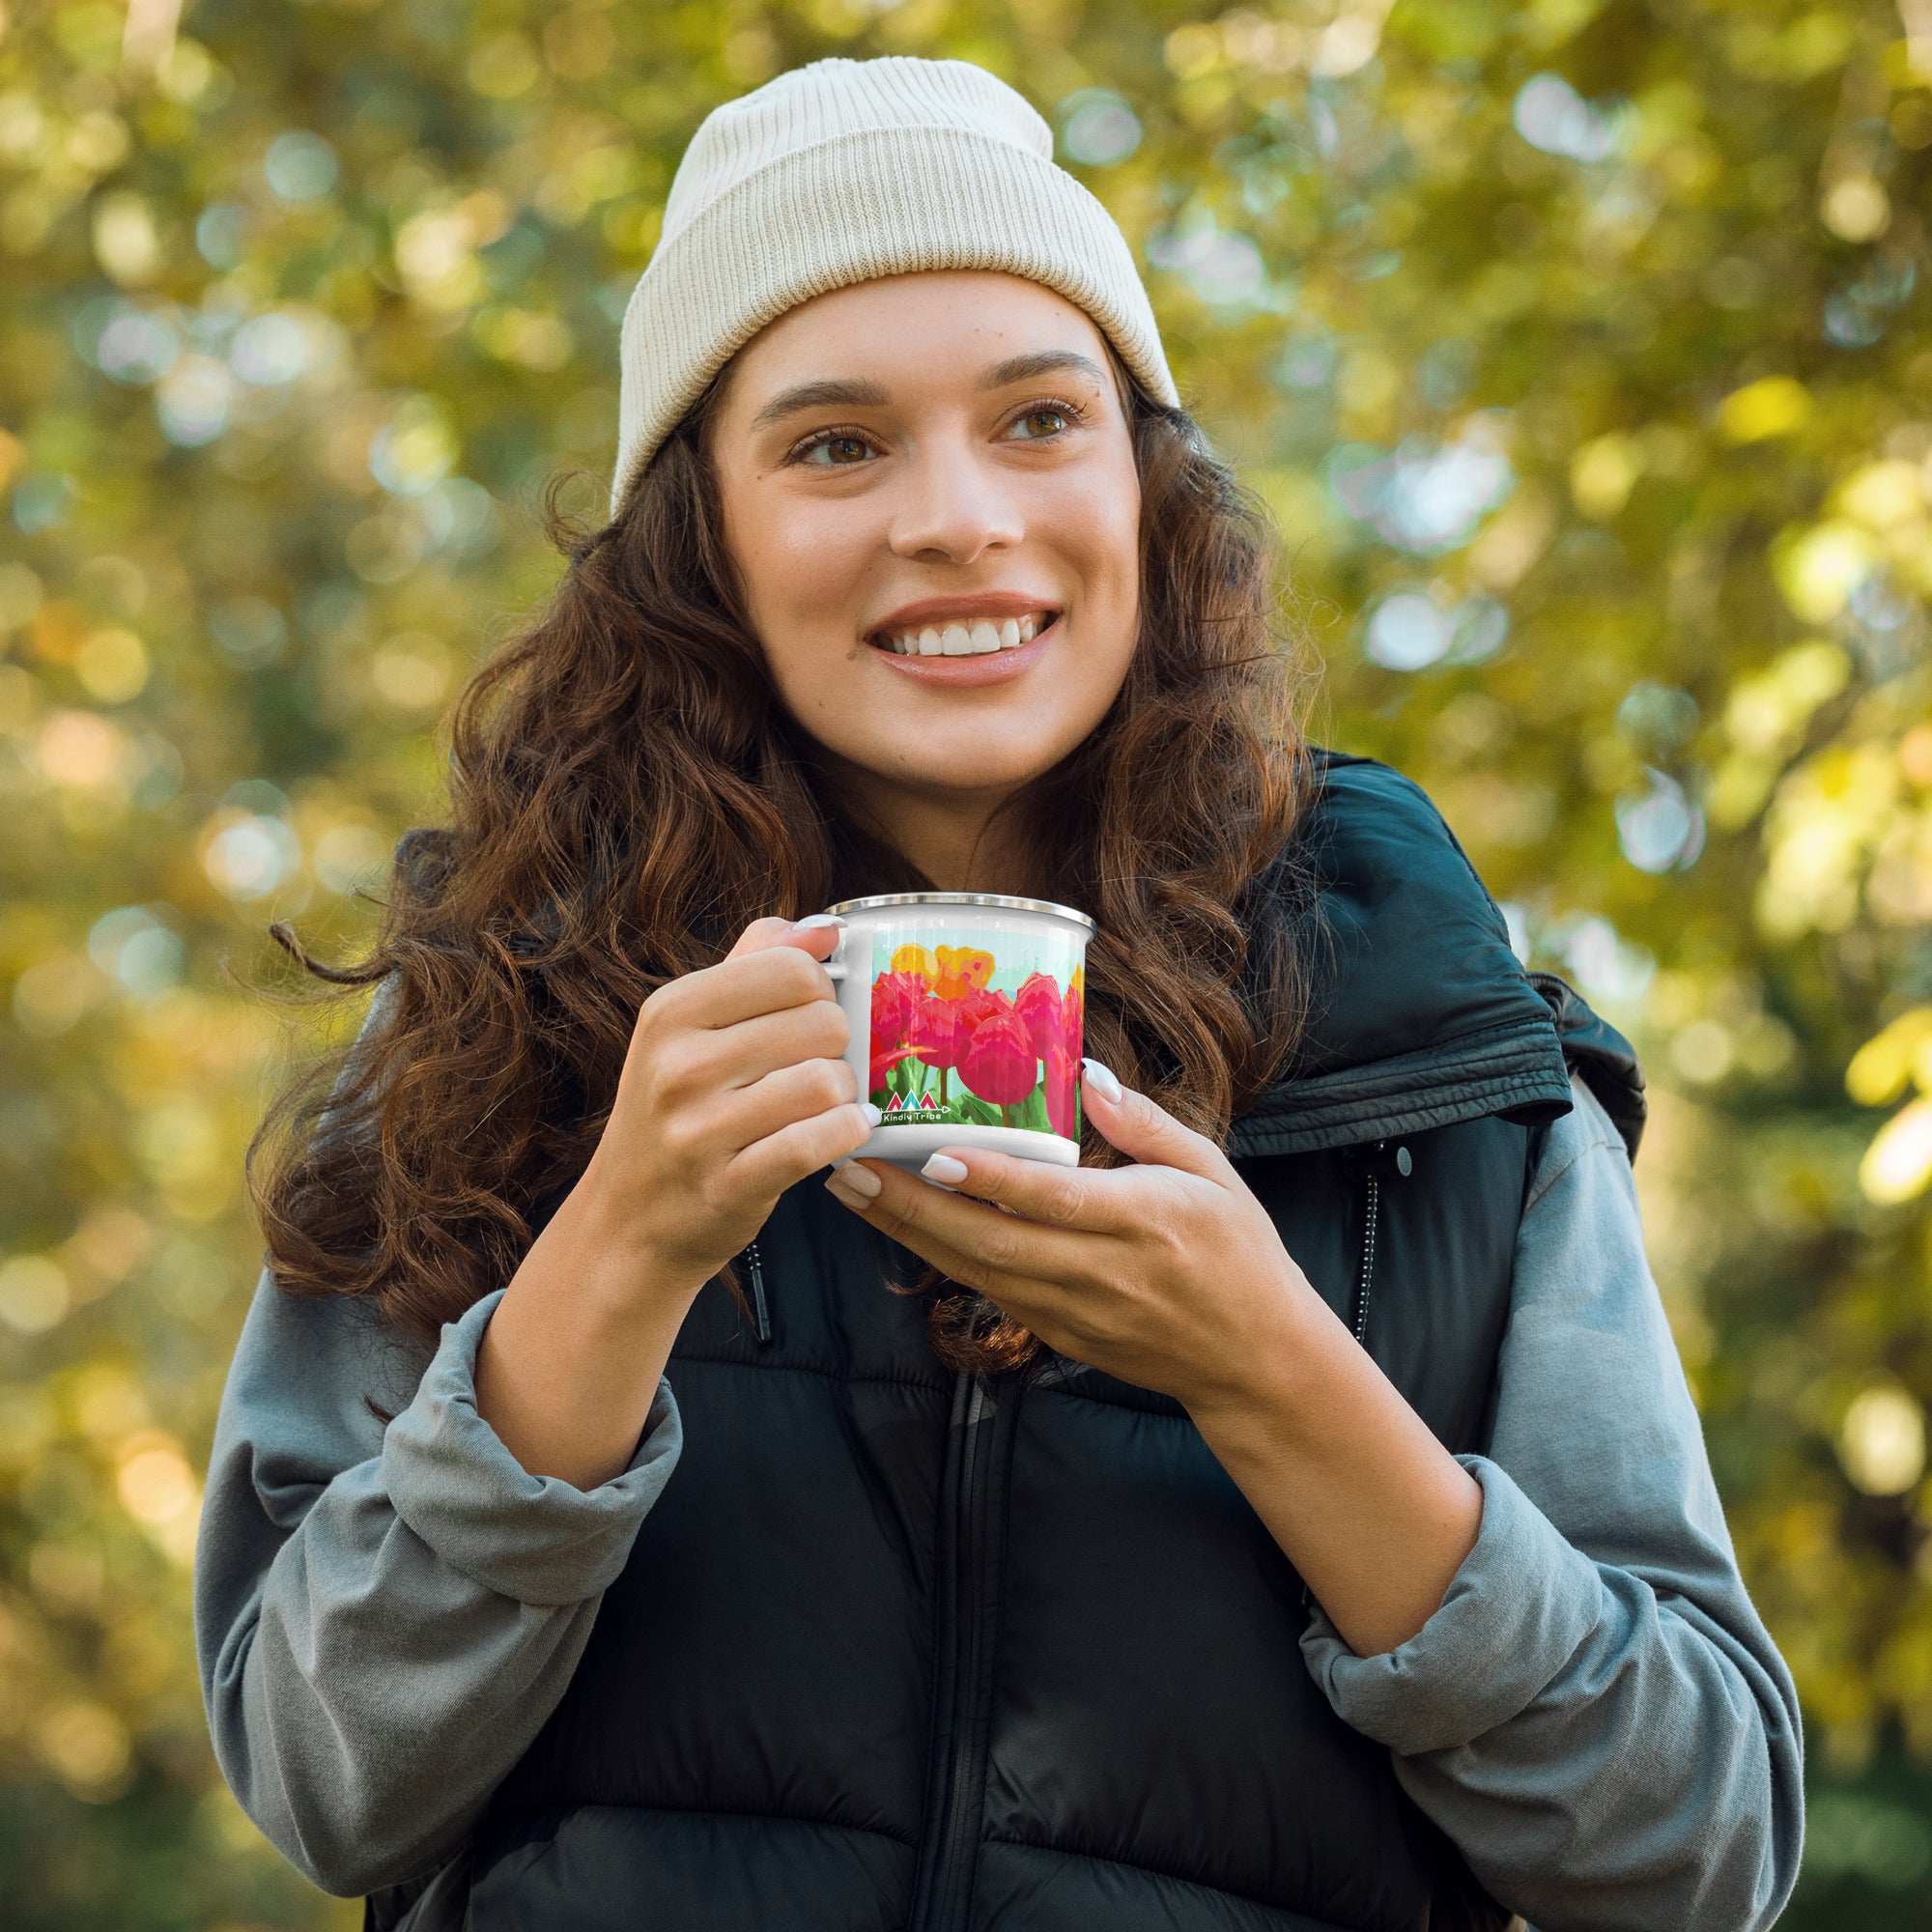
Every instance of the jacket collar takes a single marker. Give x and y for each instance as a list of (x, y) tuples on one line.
[(1421, 1015)]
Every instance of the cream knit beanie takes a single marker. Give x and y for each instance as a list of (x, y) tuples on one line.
[(842, 172)]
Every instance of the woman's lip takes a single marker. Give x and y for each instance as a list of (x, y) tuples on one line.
[(991, 667), (937, 612)]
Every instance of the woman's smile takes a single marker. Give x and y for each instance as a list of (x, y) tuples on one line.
[(991, 637)]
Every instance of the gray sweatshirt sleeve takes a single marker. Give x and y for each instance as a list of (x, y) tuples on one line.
[(386, 1616), (1595, 1715)]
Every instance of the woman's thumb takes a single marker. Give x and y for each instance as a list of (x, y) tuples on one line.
[(817, 934), (1144, 1132)]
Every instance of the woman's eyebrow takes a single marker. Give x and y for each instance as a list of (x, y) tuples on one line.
[(859, 394), (1042, 362), (856, 395)]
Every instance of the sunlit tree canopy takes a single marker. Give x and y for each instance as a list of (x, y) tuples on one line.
[(1581, 352)]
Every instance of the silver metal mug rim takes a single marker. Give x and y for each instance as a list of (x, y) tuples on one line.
[(998, 900)]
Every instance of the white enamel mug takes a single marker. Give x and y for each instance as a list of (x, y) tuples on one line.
[(966, 1012)]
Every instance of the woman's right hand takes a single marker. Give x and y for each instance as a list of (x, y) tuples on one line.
[(734, 1088)]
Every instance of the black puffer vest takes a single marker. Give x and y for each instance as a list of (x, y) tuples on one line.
[(900, 1651)]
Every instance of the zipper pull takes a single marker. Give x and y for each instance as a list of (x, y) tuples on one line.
[(1384, 1163), (755, 1266)]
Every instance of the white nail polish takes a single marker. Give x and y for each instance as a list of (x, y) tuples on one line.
[(873, 1115), (813, 921), (1101, 1079), (944, 1170)]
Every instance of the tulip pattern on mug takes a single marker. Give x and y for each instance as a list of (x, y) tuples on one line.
[(967, 1036)]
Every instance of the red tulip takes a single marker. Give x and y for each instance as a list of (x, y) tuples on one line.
[(998, 1063), (1038, 1004), (886, 1055), (1074, 1023), (933, 1032), (1063, 1091), (969, 1009), (894, 995)]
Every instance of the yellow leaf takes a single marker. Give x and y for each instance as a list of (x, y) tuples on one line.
[(1883, 1066), (1898, 1163), (1775, 405)]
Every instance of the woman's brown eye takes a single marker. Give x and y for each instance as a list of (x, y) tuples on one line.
[(838, 450), (1043, 422)]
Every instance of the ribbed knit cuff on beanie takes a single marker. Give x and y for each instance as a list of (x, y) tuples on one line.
[(846, 171)]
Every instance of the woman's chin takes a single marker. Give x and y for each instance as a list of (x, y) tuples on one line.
[(941, 757)]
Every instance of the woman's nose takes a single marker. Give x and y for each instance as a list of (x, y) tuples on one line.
[(953, 508)]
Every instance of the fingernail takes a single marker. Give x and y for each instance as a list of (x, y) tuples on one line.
[(873, 1115), (840, 1187), (856, 1180), (944, 1170), (812, 921), (1102, 1078)]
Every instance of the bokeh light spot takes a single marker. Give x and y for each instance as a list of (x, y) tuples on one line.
[(301, 167)]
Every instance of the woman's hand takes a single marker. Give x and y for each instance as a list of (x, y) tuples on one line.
[(733, 1089), (1170, 1274), (1167, 1273)]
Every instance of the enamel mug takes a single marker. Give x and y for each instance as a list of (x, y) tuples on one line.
[(965, 1010)]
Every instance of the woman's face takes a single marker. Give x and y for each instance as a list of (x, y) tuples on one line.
[(929, 494)]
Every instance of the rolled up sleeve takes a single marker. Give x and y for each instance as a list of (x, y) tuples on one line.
[(1595, 1715), (387, 1613)]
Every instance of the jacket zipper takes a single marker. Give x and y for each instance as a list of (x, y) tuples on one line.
[(1365, 1275), (948, 1890), (1377, 1162), (755, 1266)]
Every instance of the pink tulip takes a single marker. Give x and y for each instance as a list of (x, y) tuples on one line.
[(1062, 1095), (894, 995), (970, 1008), (1073, 1024), (1038, 1004), (998, 1064), (933, 1032), (886, 1055)]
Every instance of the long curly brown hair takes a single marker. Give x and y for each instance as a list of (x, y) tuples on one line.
[(628, 793)]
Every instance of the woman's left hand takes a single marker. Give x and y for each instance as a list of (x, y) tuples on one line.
[(1167, 1273), (1170, 1274)]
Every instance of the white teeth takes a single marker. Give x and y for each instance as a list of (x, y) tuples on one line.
[(976, 639)]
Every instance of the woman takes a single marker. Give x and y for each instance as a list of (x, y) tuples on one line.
[(1294, 1518)]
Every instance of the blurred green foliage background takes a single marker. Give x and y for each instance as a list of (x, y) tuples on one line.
[(1584, 354)]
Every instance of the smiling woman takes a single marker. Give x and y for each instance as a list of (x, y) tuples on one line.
[(941, 555), (1290, 1520)]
